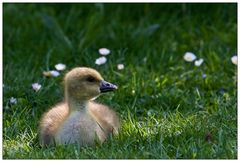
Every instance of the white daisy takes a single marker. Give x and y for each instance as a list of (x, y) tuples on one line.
[(36, 86), (234, 59), (120, 66), (189, 57), (101, 60), (204, 76), (60, 67), (13, 101), (104, 51), (54, 73), (198, 62)]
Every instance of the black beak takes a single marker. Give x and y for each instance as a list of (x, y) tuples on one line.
[(106, 86)]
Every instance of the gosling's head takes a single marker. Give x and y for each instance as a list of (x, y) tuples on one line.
[(83, 83)]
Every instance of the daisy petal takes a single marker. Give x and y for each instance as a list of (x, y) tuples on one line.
[(60, 67), (189, 57), (234, 59), (120, 66), (204, 76), (54, 73), (13, 101), (101, 60), (104, 51), (36, 86), (198, 62)]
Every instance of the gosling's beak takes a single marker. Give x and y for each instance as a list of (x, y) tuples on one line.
[(106, 86)]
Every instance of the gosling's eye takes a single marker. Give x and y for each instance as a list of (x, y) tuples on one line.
[(91, 79)]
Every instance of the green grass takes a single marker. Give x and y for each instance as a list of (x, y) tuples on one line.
[(167, 109)]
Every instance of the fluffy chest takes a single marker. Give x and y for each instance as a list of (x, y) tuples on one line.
[(79, 128)]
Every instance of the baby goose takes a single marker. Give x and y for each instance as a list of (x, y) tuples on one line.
[(79, 119)]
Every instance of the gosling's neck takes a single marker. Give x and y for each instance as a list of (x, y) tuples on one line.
[(76, 104)]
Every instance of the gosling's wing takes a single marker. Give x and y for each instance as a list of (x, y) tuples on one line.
[(51, 121), (106, 117)]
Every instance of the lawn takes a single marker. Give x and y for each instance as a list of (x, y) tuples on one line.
[(169, 108)]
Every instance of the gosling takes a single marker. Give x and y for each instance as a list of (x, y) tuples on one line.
[(78, 119)]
